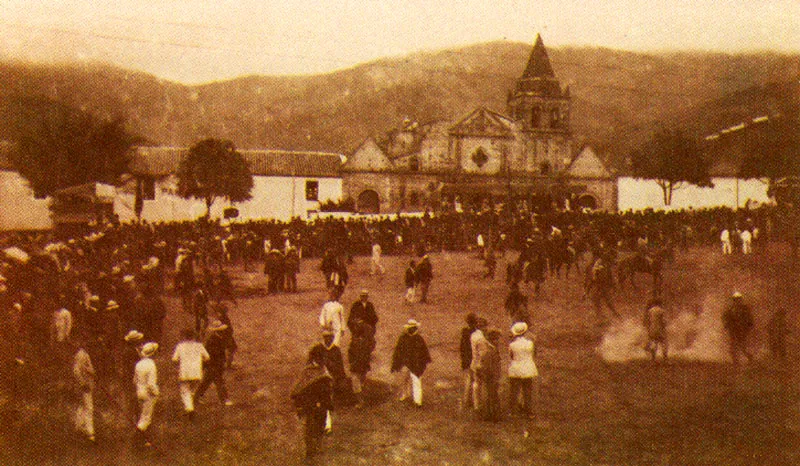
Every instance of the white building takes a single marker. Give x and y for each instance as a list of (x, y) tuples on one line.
[(286, 184), (639, 194), (19, 208)]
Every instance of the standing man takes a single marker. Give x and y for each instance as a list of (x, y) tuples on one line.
[(738, 322), (214, 367), (479, 345), (190, 355), (84, 374), (331, 317), (424, 277), (334, 363), (411, 282), (313, 399), (145, 377), (375, 265), (362, 310), (411, 355), (490, 375), (601, 287), (725, 238), (655, 324), (521, 372), (465, 351)]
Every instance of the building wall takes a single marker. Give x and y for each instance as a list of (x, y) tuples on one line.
[(496, 149), (603, 190), (395, 190), (273, 198), (19, 210), (638, 194)]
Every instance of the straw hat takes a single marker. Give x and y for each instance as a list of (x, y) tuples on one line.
[(411, 324), (133, 335), (519, 328), (149, 349), (216, 326), (112, 305), (736, 294)]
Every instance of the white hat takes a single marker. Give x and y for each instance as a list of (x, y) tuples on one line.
[(128, 279), (411, 324), (133, 335), (736, 294), (111, 305), (519, 328), (216, 326), (149, 349)]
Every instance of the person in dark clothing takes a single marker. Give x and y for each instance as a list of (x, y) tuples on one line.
[(312, 396), (490, 374), (465, 350), (227, 333), (214, 368), (359, 354), (291, 268), (334, 363), (362, 310), (411, 282), (411, 353), (516, 305), (738, 322), (200, 310), (424, 277)]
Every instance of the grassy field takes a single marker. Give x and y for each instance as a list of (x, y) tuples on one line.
[(695, 410)]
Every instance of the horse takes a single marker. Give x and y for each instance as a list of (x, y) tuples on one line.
[(651, 264)]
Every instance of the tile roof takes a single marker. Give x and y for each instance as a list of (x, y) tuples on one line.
[(161, 161)]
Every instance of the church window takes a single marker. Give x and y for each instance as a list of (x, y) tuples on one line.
[(413, 163), (479, 157), (536, 117), (555, 118)]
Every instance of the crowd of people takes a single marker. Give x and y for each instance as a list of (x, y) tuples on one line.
[(90, 306)]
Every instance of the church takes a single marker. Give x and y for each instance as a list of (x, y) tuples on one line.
[(485, 158)]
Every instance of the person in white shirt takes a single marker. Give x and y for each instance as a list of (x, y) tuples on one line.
[(375, 265), (145, 377), (747, 241), (480, 345), (62, 325), (725, 237), (521, 371), (332, 318), (189, 354), (83, 371)]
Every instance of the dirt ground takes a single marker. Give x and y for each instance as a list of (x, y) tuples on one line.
[(696, 410)]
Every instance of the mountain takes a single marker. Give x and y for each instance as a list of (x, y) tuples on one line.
[(617, 97)]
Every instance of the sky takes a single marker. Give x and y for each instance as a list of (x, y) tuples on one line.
[(195, 41)]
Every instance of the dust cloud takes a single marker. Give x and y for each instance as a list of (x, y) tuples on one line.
[(691, 335)]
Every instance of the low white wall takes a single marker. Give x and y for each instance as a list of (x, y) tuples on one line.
[(19, 209), (639, 194)]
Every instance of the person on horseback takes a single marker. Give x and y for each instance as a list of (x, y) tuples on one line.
[(602, 286)]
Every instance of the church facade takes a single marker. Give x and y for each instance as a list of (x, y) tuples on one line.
[(485, 157)]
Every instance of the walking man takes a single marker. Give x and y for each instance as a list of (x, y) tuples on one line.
[(145, 377), (214, 367), (84, 374), (190, 355), (738, 322), (411, 356)]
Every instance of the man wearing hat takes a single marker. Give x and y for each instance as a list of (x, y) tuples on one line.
[(145, 377), (521, 370), (411, 354), (362, 310), (130, 356), (190, 355), (479, 345), (424, 277), (738, 322), (333, 361), (214, 367), (312, 396), (332, 317)]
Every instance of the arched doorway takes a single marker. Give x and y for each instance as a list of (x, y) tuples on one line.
[(586, 201), (369, 202)]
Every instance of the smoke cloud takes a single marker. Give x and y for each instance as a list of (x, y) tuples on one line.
[(690, 336)]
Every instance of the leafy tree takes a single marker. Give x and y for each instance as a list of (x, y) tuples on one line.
[(772, 150), (671, 159), (58, 147), (213, 169)]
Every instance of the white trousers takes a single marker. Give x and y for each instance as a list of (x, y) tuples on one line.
[(146, 408), (187, 389), (726, 247), (410, 383), (375, 266), (747, 247), (84, 415)]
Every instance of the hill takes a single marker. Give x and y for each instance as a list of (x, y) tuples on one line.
[(617, 96)]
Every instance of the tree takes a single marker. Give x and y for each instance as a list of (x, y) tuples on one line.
[(671, 159), (213, 169), (772, 150), (59, 147)]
